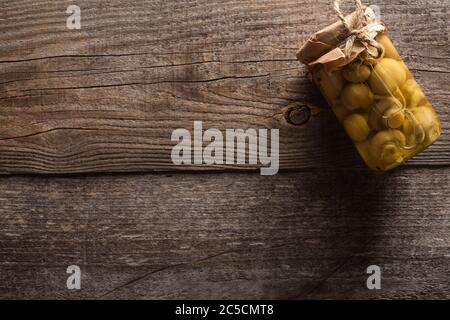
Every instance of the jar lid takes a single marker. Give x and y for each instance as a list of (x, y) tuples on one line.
[(326, 39)]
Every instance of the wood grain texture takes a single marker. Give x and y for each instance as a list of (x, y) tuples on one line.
[(107, 98), (295, 235)]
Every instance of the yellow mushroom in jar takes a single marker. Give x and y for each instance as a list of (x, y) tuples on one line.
[(356, 72), (356, 127), (387, 113), (417, 99), (387, 148), (339, 110), (407, 71), (399, 96), (387, 76), (389, 49), (330, 84), (357, 96), (413, 94), (413, 131), (426, 118), (364, 148)]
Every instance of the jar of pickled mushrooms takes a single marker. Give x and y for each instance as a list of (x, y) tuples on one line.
[(382, 108)]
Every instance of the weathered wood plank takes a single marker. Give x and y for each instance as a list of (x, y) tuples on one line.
[(107, 97), (295, 235)]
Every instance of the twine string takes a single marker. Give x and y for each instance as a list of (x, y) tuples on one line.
[(361, 30)]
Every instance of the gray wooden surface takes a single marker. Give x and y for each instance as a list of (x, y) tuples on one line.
[(106, 99)]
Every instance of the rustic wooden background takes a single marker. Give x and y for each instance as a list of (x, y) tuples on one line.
[(76, 106)]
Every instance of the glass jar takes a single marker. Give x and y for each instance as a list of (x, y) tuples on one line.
[(380, 105)]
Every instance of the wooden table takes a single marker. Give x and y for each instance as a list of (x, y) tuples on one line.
[(86, 118)]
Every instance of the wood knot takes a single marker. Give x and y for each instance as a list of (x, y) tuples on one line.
[(297, 114)]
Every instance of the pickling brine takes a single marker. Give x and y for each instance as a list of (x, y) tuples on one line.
[(380, 105)]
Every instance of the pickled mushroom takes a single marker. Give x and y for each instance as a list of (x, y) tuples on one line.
[(413, 130), (330, 84), (408, 89), (427, 119), (405, 67), (356, 127), (357, 96), (339, 110), (356, 72), (387, 147), (387, 113), (389, 49), (417, 99), (387, 76), (414, 96), (400, 97), (363, 147)]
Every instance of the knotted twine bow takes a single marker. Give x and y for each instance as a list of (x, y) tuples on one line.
[(365, 31)]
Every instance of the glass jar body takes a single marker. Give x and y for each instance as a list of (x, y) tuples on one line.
[(381, 106)]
